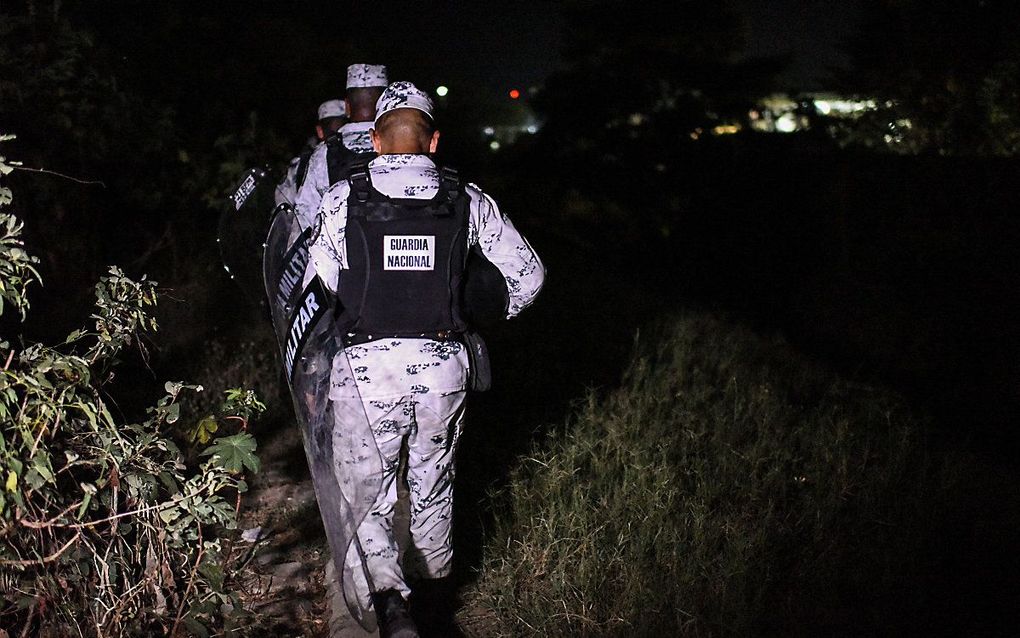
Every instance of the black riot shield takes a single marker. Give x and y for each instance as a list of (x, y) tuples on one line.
[(345, 464)]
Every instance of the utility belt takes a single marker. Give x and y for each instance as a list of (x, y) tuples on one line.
[(358, 338)]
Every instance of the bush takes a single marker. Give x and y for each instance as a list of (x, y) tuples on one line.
[(728, 487), (104, 531), (229, 363)]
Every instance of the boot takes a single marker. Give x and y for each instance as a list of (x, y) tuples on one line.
[(394, 619), (433, 605)]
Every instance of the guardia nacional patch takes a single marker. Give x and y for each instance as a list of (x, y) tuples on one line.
[(409, 252)]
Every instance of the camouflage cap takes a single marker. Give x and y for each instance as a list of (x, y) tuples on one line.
[(403, 95), (332, 108), (366, 75)]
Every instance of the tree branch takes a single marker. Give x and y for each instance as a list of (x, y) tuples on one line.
[(42, 561), (52, 521), (55, 173), (191, 582), (158, 507)]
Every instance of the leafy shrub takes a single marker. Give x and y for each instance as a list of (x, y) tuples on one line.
[(104, 531), (728, 487), (16, 269), (227, 364)]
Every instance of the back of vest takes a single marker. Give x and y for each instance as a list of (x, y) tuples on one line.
[(406, 262), (340, 159)]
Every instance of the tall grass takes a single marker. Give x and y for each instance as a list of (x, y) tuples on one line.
[(729, 486)]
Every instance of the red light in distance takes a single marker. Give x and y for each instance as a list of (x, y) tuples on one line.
[(514, 94)]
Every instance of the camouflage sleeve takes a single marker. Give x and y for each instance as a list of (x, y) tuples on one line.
[(310, 192), (327, 250), (286, 190), (504, 246)]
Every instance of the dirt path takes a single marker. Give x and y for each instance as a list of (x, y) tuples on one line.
[(280, 507), (290, 596)]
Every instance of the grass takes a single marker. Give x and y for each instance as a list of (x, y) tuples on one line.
[(728, 487)]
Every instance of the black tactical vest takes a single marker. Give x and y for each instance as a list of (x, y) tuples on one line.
[(340, 160), (302, 167), (406, 260)]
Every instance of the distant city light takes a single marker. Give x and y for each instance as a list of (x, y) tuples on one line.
[(837, 106), (514, 94), (533, 129), (488, 130), (787, 123), (441, 91), (726, 129), (494, 145), (779, 113)]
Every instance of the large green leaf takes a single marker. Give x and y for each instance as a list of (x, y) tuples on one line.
[(204, 430), (234, 452)]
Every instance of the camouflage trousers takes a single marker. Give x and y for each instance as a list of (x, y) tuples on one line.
[(430, 423)]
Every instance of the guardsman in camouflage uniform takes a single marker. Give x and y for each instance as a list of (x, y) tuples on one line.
[(405, 366), (331, 160), (332, 115)]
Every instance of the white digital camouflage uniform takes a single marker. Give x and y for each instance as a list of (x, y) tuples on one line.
[(411, 387), (287, 189), (355, 136)]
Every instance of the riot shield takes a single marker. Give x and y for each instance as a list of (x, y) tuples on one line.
[(345, 465), (242, 229)]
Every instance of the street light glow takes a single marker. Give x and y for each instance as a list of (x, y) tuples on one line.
[(441, 91)]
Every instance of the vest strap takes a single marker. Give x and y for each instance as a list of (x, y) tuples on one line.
[(361, 182), (364, 191), (450, 183), (302, 168)]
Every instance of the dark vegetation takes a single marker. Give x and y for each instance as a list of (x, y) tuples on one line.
[(872, 268), (728, 486), (108, 527)]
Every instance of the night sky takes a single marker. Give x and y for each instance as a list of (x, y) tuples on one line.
[(494, 46), (482, 49), (498, 45), (809, 31)]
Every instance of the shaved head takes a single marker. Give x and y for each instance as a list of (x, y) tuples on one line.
[(361, 102), (405, 131)]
